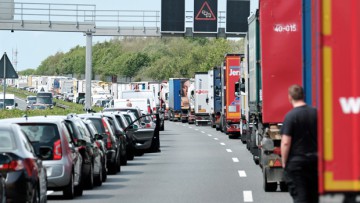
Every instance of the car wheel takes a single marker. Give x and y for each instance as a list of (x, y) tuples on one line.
[(69, 190), (79, 189), (130, 153), (118, 163), (162, 127), (99, 178), (35, 195), (104, 171), (90, 179), (112, 167), (123, 159)]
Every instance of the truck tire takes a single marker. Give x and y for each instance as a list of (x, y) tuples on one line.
[(283, 187), (268, 187)]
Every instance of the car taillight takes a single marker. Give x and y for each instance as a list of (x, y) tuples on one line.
[(149, 109), (108, 139), (15, 165), (277, 151), (154, 109), (57, 151), (148, 125)]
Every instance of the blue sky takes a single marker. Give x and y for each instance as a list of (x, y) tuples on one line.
[(34, 47)]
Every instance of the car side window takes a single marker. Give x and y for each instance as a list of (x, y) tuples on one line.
[(27, 144)]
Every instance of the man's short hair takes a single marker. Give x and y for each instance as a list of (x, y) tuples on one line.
[(296, 92)]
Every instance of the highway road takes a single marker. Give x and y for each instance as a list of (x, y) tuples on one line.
[(196, 164)]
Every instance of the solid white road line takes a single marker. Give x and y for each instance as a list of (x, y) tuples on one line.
[(242, 174), (235, 159), (248, 196), (228, 150), (209, 135), (222, 143), (49, 192), (202, 132), (216, 138)]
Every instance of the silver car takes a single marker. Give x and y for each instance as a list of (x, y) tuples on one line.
[(64, 164)]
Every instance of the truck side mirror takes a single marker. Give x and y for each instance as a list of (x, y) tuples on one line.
[(207, 100), (16, 104), (192, 93), (236, 94)]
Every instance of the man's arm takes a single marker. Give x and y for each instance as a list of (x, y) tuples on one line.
[(285, 148)]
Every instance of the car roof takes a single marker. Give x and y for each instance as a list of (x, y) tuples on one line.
[(34, 119)]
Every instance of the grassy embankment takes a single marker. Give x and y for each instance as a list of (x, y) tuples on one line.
[(73, 108)]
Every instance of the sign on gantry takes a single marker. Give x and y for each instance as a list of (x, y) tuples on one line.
[(205, 16)]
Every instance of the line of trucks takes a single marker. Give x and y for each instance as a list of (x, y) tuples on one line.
[(288, 42)]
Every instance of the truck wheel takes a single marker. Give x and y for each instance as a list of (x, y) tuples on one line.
[(268, 187), (256, 160), (283, 187)]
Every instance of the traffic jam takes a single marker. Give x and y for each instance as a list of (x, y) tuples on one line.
[(246, 97)]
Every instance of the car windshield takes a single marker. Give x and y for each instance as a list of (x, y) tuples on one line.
[(31, 99), (8, 102), (98, 124), (6, 140), (44, 100)]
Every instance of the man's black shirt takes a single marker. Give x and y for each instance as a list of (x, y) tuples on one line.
[(301, 124)]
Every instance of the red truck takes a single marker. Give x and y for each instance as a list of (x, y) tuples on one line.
[(230, 115), (339, 104)]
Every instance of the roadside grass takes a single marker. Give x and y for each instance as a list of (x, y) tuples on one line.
[(72, 107)]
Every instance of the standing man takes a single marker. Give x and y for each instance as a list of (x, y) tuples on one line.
[(299, 148)]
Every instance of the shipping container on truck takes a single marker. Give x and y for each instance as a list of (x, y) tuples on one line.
[(202, 101), (178, 99), (216, 97), (280, 29), (339, 104), (230, 115), (164, 99)]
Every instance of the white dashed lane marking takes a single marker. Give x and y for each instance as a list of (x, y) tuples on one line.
[(196, 129), (202, 132), (242, 174), (216, 138), (190, 127), (235, 159), (222, 143), (248, 196), (228, 150), (209, 135)]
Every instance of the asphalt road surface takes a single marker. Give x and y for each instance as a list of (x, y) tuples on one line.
[(196, 164)]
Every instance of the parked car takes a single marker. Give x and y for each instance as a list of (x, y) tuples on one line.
[(91, 167), (21, 166), (112, 143), (30, 100), (102, 103), (64, 162), (143, 136), (37, 106), (120, 134), (130, 145), (100, 143), (2, 189)]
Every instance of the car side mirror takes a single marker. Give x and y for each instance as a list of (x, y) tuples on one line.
[(16, 104), (99, 137), (81, 142), (236, 94), (54, 103), (45, 152)]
